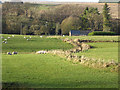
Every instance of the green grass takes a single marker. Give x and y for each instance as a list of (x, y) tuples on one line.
[(20, 44), (106, 50), (94, 38), (48, 71)]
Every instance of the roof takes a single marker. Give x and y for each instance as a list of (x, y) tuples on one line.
[(75, 32)]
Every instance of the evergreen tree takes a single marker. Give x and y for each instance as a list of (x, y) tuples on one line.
[(106, 18)]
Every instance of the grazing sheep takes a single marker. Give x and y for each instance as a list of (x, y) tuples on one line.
[(63, 35), (5, 39), (8, 37), (14, 53), (2, 37), (25, 37), (8, 53), (5, 42), (41, 52), (13, 35), (30, 37), (41, 36)]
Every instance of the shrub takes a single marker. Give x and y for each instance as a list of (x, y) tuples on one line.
[(101, 33)]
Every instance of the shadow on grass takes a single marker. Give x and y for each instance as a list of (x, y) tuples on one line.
[(85, 85)]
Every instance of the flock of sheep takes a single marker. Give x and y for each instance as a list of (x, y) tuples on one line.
[(5, 40)]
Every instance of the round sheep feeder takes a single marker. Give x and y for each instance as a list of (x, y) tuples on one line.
[(8, 53), (14, 53)]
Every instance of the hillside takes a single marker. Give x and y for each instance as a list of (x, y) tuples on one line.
[(113, 6)]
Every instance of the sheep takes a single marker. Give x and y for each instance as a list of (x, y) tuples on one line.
[(63, 35), (25, 37), (30, 37), (8, 37), (5, 42), (13, 35), (14, 53), (5, 39), (8, 53), (41, 52), (2, 37), (41, 36)]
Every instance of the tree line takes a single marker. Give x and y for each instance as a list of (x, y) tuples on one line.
[(41, 19)]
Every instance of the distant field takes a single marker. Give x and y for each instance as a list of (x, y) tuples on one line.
[(106, 51), (93, 38), (20, 44)]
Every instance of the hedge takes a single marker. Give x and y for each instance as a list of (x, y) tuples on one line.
[(101, 33)]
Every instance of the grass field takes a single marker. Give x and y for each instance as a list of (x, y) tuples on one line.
[(93, 38), (106, 51), (50, 71), (20, 44)]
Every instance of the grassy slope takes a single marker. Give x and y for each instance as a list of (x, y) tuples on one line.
[(19, 44), (31, 70), (28, 70), (106, 50)]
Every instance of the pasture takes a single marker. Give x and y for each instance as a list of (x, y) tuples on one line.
[(27, 69)]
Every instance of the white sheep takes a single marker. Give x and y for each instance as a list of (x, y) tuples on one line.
[(8, 37), (41, 52), (2, 37), (41, 36), (14, 53), (5, 42), (30, 37), (8, 53), (63, 35), (13, 35), (25, 37), (5, 39)]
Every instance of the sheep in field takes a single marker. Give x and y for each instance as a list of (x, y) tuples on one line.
[(13, 35), (14, 53), (8, 53), (41, 52), (5, 39), (8, 37)]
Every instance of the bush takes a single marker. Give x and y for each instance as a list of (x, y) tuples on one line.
[(101, 33)]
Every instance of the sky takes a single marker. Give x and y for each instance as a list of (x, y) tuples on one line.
[(63, 0)]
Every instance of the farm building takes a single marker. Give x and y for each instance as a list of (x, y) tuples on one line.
[(79, 32)]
